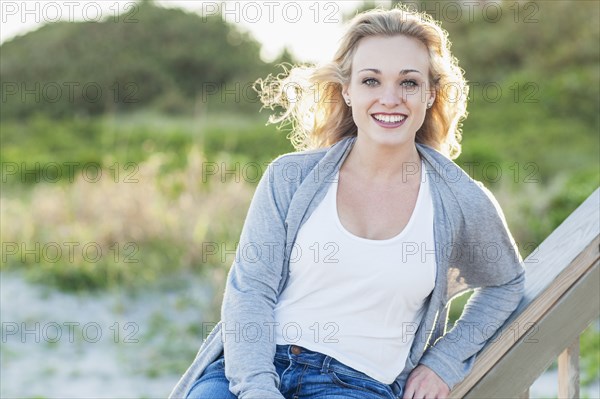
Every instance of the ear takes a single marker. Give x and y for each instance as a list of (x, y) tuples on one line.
[(345, 92), (431, 97)]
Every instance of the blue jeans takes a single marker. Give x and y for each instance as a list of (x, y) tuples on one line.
[(303, 374)]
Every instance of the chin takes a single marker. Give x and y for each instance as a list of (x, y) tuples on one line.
[(389, 138)]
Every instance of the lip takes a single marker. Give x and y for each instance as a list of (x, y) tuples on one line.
[(389, 125)]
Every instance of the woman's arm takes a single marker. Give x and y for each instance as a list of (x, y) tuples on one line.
[(499, 282), (452, 356), (250, 295)]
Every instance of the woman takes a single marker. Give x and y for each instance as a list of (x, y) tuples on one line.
[(353, 247)]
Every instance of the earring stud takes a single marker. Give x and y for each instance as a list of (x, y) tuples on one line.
[(348, 101)]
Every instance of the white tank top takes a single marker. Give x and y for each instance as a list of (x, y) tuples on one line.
[(358, 300)]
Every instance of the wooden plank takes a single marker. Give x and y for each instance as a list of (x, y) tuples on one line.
[(568, 371), (520, 324), (557, 264), (562, 246), (529, 357)]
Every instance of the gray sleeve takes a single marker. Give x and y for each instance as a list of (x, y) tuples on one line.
[(452, 356), (251, 290)]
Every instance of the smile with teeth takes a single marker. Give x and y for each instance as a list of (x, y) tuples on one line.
[(389, 118)]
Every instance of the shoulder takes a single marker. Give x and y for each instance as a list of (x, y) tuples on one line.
[(457, 188), (290, 169), (300, 160), (286, 173)]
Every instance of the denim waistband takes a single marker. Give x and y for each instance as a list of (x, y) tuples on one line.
[(320, 360)]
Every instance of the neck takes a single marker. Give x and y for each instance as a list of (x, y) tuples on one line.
[(383, 163)]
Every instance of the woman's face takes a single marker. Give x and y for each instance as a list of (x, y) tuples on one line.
[(389, 88)]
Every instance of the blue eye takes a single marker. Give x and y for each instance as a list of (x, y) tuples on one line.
[(370, 82), (409, 83)]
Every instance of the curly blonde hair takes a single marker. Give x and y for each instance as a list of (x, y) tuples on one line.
[(310, 97)]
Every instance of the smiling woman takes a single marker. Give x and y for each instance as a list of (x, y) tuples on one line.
[(317, 111), (389, 90), (371, 237)]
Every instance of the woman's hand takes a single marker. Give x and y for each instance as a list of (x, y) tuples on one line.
[(423, 383)]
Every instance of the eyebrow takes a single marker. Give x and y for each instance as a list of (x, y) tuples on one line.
[(377, 71)]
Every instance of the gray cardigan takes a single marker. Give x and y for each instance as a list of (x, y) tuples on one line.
[(473, 250)]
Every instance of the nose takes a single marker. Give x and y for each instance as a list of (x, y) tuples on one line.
[(390, 97)]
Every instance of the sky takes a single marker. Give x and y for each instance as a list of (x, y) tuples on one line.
[(310, 29)]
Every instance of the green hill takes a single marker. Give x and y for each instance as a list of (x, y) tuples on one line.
[(152, 56)]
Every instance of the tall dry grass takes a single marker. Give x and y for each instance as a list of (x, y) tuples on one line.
[(151, 223)]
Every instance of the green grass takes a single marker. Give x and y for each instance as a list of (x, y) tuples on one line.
[(589, 349), (41, 150)]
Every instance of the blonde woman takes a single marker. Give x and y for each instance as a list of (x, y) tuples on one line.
[(355, 244)]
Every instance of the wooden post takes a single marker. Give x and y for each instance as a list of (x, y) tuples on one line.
[(568, 372)]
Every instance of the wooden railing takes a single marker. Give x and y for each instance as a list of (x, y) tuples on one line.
[(562, 297)]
